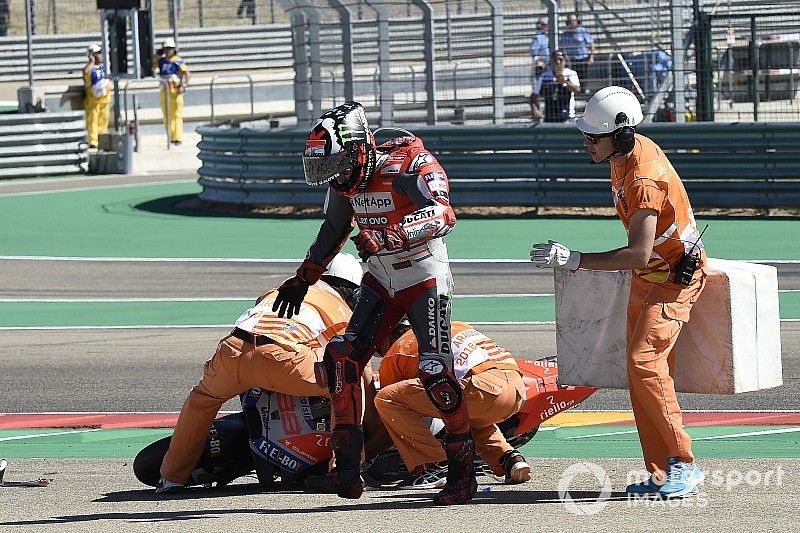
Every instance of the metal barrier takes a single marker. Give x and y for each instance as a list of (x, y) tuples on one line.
[(163, 85), (43, 144), (211, 92), (722, 165)]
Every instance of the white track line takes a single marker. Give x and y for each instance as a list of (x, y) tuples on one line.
[(627, 432), (21, 437), (240, 299), (751, 434), (95, 188), (222, 299), (281, 260), (211, 326)]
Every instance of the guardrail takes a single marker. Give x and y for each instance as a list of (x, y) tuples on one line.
[(722, 165), (43, 144)]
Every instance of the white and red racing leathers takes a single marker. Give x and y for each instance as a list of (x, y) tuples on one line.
[(410, 188)]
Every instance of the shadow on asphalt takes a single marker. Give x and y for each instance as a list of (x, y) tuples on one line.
[(190, 205), (396, 501)]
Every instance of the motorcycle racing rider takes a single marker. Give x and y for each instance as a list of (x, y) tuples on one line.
[(398, 195)]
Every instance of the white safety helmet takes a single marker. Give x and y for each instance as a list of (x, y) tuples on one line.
[(610, 109), (169, 42), (94, 48), (346, 267)]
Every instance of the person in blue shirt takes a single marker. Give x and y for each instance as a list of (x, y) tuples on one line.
[(97, 101), (540, 47), (556, 87), (578, 44), (170, 67)]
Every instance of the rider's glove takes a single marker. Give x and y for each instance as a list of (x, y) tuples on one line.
[(290, 296), (395, 238), (368, 242), (294, 289), (555, 255)]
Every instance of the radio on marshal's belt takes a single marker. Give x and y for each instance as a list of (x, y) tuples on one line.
[(688, 263)]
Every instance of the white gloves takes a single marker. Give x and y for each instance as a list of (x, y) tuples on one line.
[(555, 255)]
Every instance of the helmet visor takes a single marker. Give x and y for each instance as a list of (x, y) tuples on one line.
[(320, 170)]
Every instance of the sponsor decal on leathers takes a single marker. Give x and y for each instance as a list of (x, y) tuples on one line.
[(444, 324), (431, 366), (380, 202), (419, 215), (372, 221)]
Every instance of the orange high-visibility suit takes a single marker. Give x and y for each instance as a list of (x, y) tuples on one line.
[(657, 307), (492, 386), (282, 360)]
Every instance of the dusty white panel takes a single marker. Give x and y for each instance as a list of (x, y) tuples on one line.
[(731, 343)]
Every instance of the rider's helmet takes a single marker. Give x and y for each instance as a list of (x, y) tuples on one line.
[(612, 111), (340, 150)]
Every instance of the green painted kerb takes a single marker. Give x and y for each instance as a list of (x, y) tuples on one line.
[(139, 222), (220, 312)]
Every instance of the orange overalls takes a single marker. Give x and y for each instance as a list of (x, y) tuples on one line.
[(657, 307), (492, 386), (285, 365)]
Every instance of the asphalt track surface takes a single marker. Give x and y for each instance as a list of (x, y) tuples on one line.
[(152, 369)]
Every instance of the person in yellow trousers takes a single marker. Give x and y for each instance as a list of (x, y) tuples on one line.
[(171, 68), (98, 95)]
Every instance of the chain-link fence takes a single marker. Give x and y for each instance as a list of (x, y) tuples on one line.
[(412, 61), (54, 17)]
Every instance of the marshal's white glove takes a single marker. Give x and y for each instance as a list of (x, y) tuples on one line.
[(553, 254)]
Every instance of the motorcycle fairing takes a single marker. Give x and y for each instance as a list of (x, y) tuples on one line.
[(290, 432)]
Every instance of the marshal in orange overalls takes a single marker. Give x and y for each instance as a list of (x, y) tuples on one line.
[(492, 385), (284, 365), (657, 307)]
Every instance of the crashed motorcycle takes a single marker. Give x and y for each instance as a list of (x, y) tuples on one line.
[(284, 439)]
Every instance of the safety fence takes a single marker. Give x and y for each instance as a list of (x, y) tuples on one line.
[(461, 60), (42, 144), (722, 165)]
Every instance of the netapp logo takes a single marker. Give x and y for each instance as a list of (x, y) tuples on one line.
[(380, 202)]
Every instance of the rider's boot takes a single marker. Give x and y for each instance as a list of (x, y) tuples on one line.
[(461, 484), (348, 441)]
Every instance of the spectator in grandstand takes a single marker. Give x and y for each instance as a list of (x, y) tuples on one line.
[(98, 95), (247, 8), (4, 17), (540, 47), (172, 69), (556, 87), (578, 44)]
